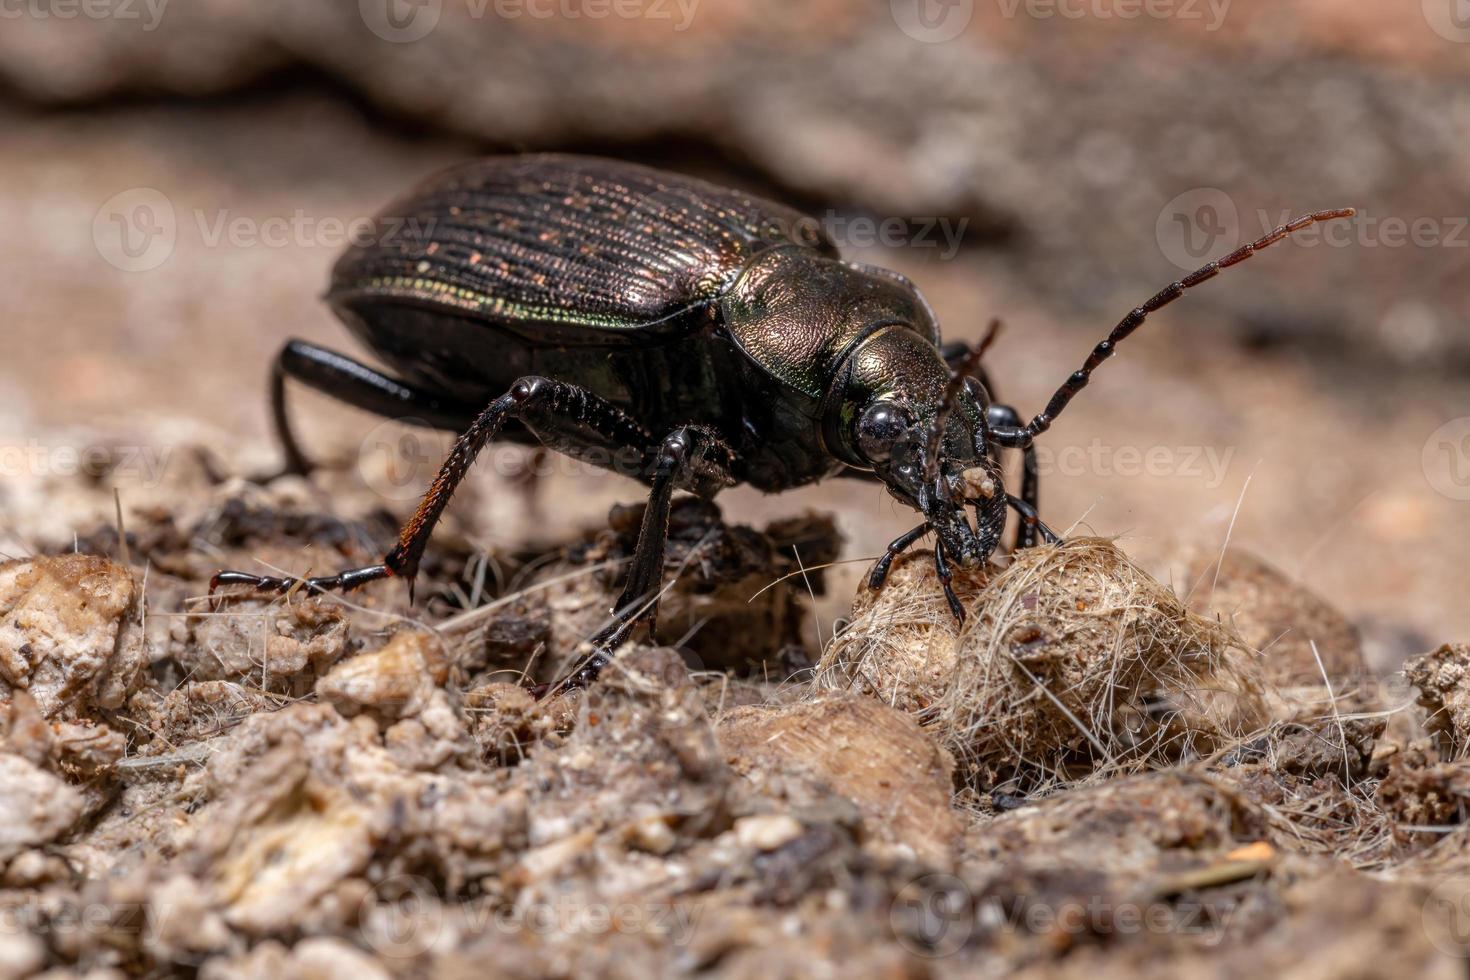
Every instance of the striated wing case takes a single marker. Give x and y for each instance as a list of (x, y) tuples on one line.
[(562, 249)]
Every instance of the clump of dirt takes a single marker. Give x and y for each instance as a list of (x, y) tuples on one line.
[(69, 633), (1443, 680), (855, 748), (1071, 659), (738, 603), (1301, 638)]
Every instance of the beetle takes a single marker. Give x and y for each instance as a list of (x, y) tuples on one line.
[(690, 335)]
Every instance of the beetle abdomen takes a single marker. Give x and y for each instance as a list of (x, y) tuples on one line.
[(565, 247)]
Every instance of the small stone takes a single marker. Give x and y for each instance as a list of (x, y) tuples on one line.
[(35, 806), (766, 832), (652, 834), (393, 682), (69, 634), (21, 955)]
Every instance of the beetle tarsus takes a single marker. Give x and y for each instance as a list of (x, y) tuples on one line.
[(946, 579), (578, 680), (1031, 521), (280, 585), (898, 546)]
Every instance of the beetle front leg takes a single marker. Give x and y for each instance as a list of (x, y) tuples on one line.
[(1004, 417), (541, 404), (896, 547), (946, 580), (1032, 521)]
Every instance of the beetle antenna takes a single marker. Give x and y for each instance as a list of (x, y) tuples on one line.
[(952, 394), (1163, 298)]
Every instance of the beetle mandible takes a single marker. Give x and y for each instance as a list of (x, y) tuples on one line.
[(689, 335)]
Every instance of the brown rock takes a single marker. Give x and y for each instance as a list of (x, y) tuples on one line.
[(1278, 617), (393, 682), (855, 747), (1443, 680), (35, 806), (1421, 791), (643, 747), (69, 633), (1062, 664), (301, 637)]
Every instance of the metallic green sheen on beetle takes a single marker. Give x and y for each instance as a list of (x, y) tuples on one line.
[(689, 335)]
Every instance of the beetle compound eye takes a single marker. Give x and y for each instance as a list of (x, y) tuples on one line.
[(881, 426)]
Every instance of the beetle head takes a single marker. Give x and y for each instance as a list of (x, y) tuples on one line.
[(923, 433)]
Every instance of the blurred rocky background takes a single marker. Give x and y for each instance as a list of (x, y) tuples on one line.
[(176, 179)]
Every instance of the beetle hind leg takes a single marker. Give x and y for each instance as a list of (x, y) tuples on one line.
[(342, 581), (355, 384)]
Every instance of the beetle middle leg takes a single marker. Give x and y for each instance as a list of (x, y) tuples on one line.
[(690, 458)]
